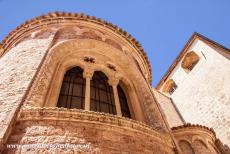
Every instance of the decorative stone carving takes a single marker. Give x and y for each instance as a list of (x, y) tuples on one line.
[(200, 138), (113, 81), (89, 59), (111, 66)]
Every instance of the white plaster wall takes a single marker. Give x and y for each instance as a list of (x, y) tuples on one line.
[(203, 95)]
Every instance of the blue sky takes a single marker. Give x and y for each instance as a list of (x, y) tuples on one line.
[(161, 26)]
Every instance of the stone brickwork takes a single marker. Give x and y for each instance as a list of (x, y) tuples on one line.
[(102, 133), (17, 68)]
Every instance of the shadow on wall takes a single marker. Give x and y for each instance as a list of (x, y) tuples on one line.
[(222, 147)]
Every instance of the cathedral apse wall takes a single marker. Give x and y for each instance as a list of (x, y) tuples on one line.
[(42, 52)]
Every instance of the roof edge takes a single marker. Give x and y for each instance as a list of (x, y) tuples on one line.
[(12, 37), (189, 125), (194, 36)]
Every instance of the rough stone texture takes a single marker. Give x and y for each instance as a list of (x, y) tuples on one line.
[(169, 110), (203, 94), (102, 132), (17, 68)]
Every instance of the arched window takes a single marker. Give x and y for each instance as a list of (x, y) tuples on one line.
[(101, 94), (123, 101), (200, 146), (186, 147), (170, 86), (72, 93), (189, 61)]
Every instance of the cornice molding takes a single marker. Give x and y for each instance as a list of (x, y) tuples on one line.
[(63, 114), (188, 126), (55, 18)]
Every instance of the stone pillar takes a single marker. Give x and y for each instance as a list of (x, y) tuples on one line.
[(88, 74), (114, 83)]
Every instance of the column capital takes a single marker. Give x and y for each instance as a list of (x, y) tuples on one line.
[(88, 73), (113, 82)]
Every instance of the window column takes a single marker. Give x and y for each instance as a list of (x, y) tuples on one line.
[(114, 83), (88, 76)]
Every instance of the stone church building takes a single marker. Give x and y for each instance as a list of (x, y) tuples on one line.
[(73, 83)]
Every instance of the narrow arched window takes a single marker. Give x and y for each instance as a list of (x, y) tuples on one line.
[(123, 101), (190, 60), (186, 147), (102, 98), (72, 93), (170, 86)]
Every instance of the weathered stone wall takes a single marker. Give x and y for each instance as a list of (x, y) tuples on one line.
[(168, 108), (101, 133), (24, 59), (17, 68), (203, 94)]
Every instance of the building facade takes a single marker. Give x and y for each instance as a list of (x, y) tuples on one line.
[(198, 83), (72, 83)]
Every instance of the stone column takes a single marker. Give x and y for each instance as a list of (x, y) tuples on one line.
[(114, 83), (88, 74)]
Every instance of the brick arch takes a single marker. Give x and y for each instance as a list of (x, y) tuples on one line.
[(186, 147), (53, 93), (61, 58), (196, 137), (145, 103), (213, 148), (200, 146)]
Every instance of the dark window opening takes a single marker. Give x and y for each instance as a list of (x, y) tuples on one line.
[(72, 93), (170, 86), (190, 60), (172, 89), (123, 101), (101, 94)]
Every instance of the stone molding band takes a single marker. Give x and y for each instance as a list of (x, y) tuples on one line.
[(188, 125), (76, 115)]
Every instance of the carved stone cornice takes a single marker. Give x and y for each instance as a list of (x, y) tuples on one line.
[(55, 18), (76, 115), (188, 126)]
